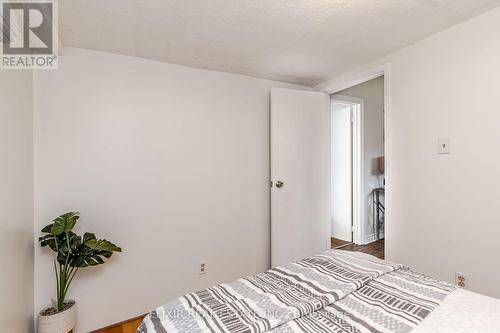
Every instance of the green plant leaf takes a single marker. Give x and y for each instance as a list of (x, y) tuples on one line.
[(48, 228), (88, 236), (75, 251), (88, 257), (56, 242), (48, 240), (75, 244), (90, 251), (65, 223), (102, 245)]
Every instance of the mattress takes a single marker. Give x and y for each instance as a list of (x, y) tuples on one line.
[(336, 291)]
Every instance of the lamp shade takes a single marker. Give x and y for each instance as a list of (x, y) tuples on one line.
[(381, 164)]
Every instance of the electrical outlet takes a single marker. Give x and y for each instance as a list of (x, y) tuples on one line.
[(202, 269), (461, 280)]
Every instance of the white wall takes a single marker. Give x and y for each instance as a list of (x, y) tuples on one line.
[(16, 201), (372, 93), (444, 209), (169, 162)]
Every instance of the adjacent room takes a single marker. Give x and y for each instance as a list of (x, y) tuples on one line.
[(357, 168), (249, 166)]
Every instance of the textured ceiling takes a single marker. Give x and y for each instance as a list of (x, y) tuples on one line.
[(297, 41)]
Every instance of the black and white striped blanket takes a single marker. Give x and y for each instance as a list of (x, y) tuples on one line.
[(336, 291)]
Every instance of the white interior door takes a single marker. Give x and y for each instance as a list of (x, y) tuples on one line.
[(300, 172), (341, 199)]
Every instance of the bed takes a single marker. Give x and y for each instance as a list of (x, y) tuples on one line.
[(336, 291)]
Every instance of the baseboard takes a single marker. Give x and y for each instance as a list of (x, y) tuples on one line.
[(367, 239)]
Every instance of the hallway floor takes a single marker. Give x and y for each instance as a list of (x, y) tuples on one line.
[(375, 249)]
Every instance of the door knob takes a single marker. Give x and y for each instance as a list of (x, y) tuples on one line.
[(279, 184)]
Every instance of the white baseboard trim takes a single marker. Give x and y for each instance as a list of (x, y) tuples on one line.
[(367, 239)]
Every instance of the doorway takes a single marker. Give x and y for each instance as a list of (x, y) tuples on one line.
[(300, 154), (358, 178), (346, 178)]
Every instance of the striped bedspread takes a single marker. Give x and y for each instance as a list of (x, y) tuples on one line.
[(336, 291), (395, 302)]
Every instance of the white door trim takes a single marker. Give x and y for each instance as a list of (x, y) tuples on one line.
[(337, 85), (358, 211)]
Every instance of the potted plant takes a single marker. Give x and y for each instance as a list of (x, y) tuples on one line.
[(72, 252)]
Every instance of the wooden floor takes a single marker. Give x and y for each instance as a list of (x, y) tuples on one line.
[(337, 242), (129, 326), (376, 249)]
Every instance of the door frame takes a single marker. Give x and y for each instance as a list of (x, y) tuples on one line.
[(358, 165), (355, 78)]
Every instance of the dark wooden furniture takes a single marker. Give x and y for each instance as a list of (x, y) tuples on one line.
[(378, 211)]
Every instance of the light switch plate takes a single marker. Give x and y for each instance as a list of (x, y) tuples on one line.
[(444, 146)]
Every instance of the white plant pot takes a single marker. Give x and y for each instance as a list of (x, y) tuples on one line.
[(62, 322)]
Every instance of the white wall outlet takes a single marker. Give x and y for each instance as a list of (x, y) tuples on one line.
[(444, 146), (461, 280), (202, 269)]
